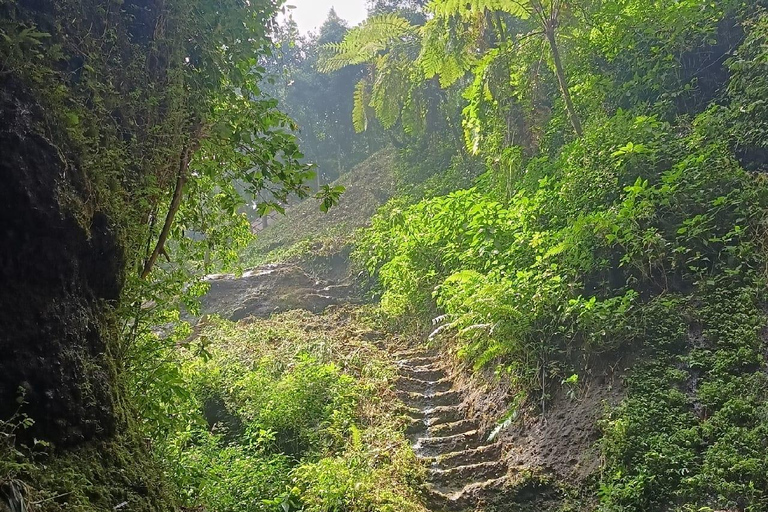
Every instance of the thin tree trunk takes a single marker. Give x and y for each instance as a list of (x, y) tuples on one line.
[(178, 192), (338, 160), (549, 30)]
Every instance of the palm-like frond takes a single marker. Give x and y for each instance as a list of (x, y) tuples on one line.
[(364, 42), (444, 53), (446, 8), (390, 89), (360, 107)]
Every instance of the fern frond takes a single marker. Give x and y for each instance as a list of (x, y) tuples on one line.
[(365, 42), (390, 90), (446, 8), (445, 52), (359, 110), (414, 113), (478, 95)]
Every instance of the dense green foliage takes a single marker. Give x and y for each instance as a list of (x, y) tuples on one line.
[(298, 418), (154, 98), (617, 228), (157, 110), (639, 242)]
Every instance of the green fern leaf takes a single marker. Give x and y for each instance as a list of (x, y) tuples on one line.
[(364, 42), (447, 8), (359, 110)]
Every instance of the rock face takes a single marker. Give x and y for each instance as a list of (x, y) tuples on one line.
[(273, 289), (57, 282)]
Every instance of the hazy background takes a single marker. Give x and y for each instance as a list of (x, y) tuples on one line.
[(310, 14)]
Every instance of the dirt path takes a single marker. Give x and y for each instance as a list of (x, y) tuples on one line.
[(464, 469)]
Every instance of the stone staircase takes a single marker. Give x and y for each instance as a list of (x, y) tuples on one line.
[(465, 470)]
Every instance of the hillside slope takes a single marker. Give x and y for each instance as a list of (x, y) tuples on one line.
[(304, 228)]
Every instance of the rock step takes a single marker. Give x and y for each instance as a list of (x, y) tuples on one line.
[(414, 352), (442, 398), (465, 498), (432, 446), (436, 415), (418, 385), (417, 428), (455, 479), (455, 427), (421, 368), (418, 361), (421, 373), (483, 453)]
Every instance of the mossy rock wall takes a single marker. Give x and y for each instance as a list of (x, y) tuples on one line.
[(61, 272)]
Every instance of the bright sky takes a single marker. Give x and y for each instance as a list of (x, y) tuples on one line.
[(310, 14)]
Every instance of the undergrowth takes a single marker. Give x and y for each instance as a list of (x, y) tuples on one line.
[(297, 414)]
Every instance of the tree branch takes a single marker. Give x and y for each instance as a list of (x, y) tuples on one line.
[(178, 192), (571, 110)]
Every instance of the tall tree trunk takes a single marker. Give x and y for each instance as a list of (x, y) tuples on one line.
[(178, 192), (549, 30)]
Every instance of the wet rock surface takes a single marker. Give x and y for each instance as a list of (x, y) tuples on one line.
[(465, 470), (274, 288)]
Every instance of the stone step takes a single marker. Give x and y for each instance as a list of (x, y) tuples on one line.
[(465, 498), (418, 360), (414, 352), (418, 385), (454, 427), (443, 398), (483, 453), (426, 367), (455, 479), (432, 446), (436, 415), (428, 374), (415, 428)]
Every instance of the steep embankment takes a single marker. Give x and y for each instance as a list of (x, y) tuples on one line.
[(300, 260)]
